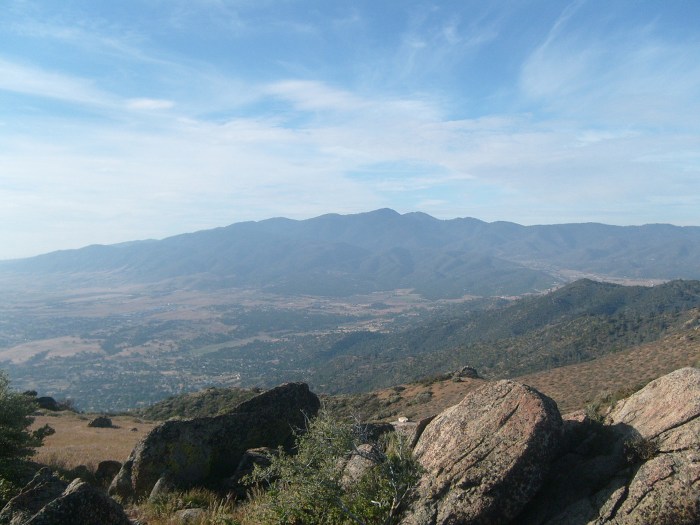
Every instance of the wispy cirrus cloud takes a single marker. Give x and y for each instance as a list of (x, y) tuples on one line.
[(352, 152), (307, 95), (149, 103), (629, 76), (30, 80)]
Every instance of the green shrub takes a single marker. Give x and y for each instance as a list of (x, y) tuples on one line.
[(160, 509), (308, 487), (394, 398), (421, 398), (598, 408), (435, 378), (7, 490), (17, 442), (639, 450)]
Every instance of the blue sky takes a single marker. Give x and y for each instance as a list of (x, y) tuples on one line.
[(142, 119)]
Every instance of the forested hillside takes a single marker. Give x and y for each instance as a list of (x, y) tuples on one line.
[(581, 321)]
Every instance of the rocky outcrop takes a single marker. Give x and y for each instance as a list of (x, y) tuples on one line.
[(101, 422), (189, 517), (660, 429), (208, 450), (238, 483), (42, 489), (106, 472), (81, 504), (48, 403), (467, 372), (47, 500), (485, 457), (503, 455), (641, 466), (411, 430), (359, 462)]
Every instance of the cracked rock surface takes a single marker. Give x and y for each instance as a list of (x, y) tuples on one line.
[(180, 454), (485, 457), (641, 467), (48, 500)]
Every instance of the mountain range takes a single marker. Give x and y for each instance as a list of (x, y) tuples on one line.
[(347, 303), (342, 255)]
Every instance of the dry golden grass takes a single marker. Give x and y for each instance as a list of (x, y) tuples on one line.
[(443, 394), (572, 387), (575, 385), (74, 443)]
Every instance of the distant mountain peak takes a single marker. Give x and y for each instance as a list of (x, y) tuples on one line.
[(380, 250), (384, 212)]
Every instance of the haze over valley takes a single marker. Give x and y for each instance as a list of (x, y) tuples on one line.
[(348, 303), (187, 188), (349, 262)]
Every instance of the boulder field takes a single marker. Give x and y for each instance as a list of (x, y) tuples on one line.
[(503, 455)]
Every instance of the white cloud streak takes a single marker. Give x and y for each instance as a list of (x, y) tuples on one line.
[(149, 103), (29, 80), (629, 78)]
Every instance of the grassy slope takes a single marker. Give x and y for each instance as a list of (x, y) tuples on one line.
[(572, 386), (208, 402), (74, 443)]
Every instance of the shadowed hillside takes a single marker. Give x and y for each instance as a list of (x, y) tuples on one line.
[(576, 323)]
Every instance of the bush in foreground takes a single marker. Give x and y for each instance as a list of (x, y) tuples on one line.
[(17, 442), (311, 485)]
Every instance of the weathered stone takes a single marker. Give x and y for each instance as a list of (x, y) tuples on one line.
[(664, 418), (485, 457), (466, 372), (664, 490), (572, 477), (363, 459), (47, 500), (106, 471), (641, 467), (42, 489), (256, 456), (165, 485), (189, 516), (101, 422), (664, 404), (81, 504), (208, 450), (412, 430), (48, 403), (84, 473)]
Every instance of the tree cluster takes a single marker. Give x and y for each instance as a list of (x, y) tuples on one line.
[(17, 441)]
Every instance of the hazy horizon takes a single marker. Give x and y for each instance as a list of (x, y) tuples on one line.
[(143, 120), (333, 213)]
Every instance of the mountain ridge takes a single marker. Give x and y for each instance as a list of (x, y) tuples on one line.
[(341, 255)]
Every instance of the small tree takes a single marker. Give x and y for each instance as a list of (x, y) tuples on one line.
[(17, 442)]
